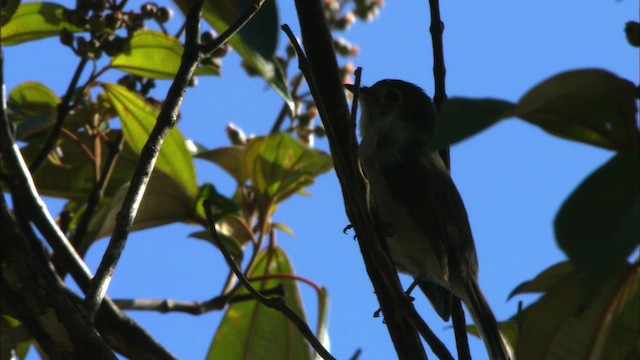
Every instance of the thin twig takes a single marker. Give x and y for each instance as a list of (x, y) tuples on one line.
[(115, 147), (323, 76), (295, 85), (191, 307), (439, 98), (63, 110), (233, 29), (439, 70), (148, 156), (276, 303)]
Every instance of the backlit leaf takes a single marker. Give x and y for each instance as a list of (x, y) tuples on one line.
[(138, 119), (250, 330), (156, 55), (592, 106), (36, 20)]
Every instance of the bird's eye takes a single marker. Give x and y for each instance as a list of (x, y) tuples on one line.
[(392, 97)]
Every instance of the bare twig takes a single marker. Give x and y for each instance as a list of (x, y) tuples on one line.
[(148, 156), (234, 28), (96, 194), (276, 303), (63, 110), (439, 70), (439, 97), (191, 307), (322, 73)]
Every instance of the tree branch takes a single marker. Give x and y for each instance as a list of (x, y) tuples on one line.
[(190, 307), (328, 93), (63, 110), (39, 302), (148, 156)]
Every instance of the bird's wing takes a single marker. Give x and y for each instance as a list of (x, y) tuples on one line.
[(421, 181)]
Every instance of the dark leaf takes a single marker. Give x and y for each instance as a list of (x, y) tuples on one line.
[(592, 106), (598, 226)]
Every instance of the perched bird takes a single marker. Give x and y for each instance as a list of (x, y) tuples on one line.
[(416, 204)]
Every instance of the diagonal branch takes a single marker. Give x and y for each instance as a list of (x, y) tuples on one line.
[(148, 157), (328, 93), (276, 303), (63, 110)]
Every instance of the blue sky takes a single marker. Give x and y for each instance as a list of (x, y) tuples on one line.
[(512, 177)]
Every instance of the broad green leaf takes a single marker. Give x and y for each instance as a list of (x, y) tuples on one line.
[(71, 175), (36, 20), (33, 108), (164, 202), (230, 159), (256, 42), (138, 119), (250, 330), (560, 325), (462, 118), (544, 280), (592, 106), (278, 166), (598, 226), (32, 98), (155, 55)]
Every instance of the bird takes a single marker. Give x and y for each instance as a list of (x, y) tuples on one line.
[(416, 204)]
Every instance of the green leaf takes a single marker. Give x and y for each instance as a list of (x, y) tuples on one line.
[(592, 106), (32, 98), (544, 280), (250, 330), (598, 226), (138, 119), (164, 202), (71, 175), (230, 159), (256, 43), (33, 21), (21, 349), (278, 166), (462, 118), (560, 325), (155, 55), (284, 228)]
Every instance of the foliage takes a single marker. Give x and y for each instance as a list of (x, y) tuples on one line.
[(586, 302)]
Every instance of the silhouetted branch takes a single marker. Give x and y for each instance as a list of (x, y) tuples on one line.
[(190, 307), (322, 73)]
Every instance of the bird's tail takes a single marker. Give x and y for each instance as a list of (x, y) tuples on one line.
[(486, 323), (439, 297)]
